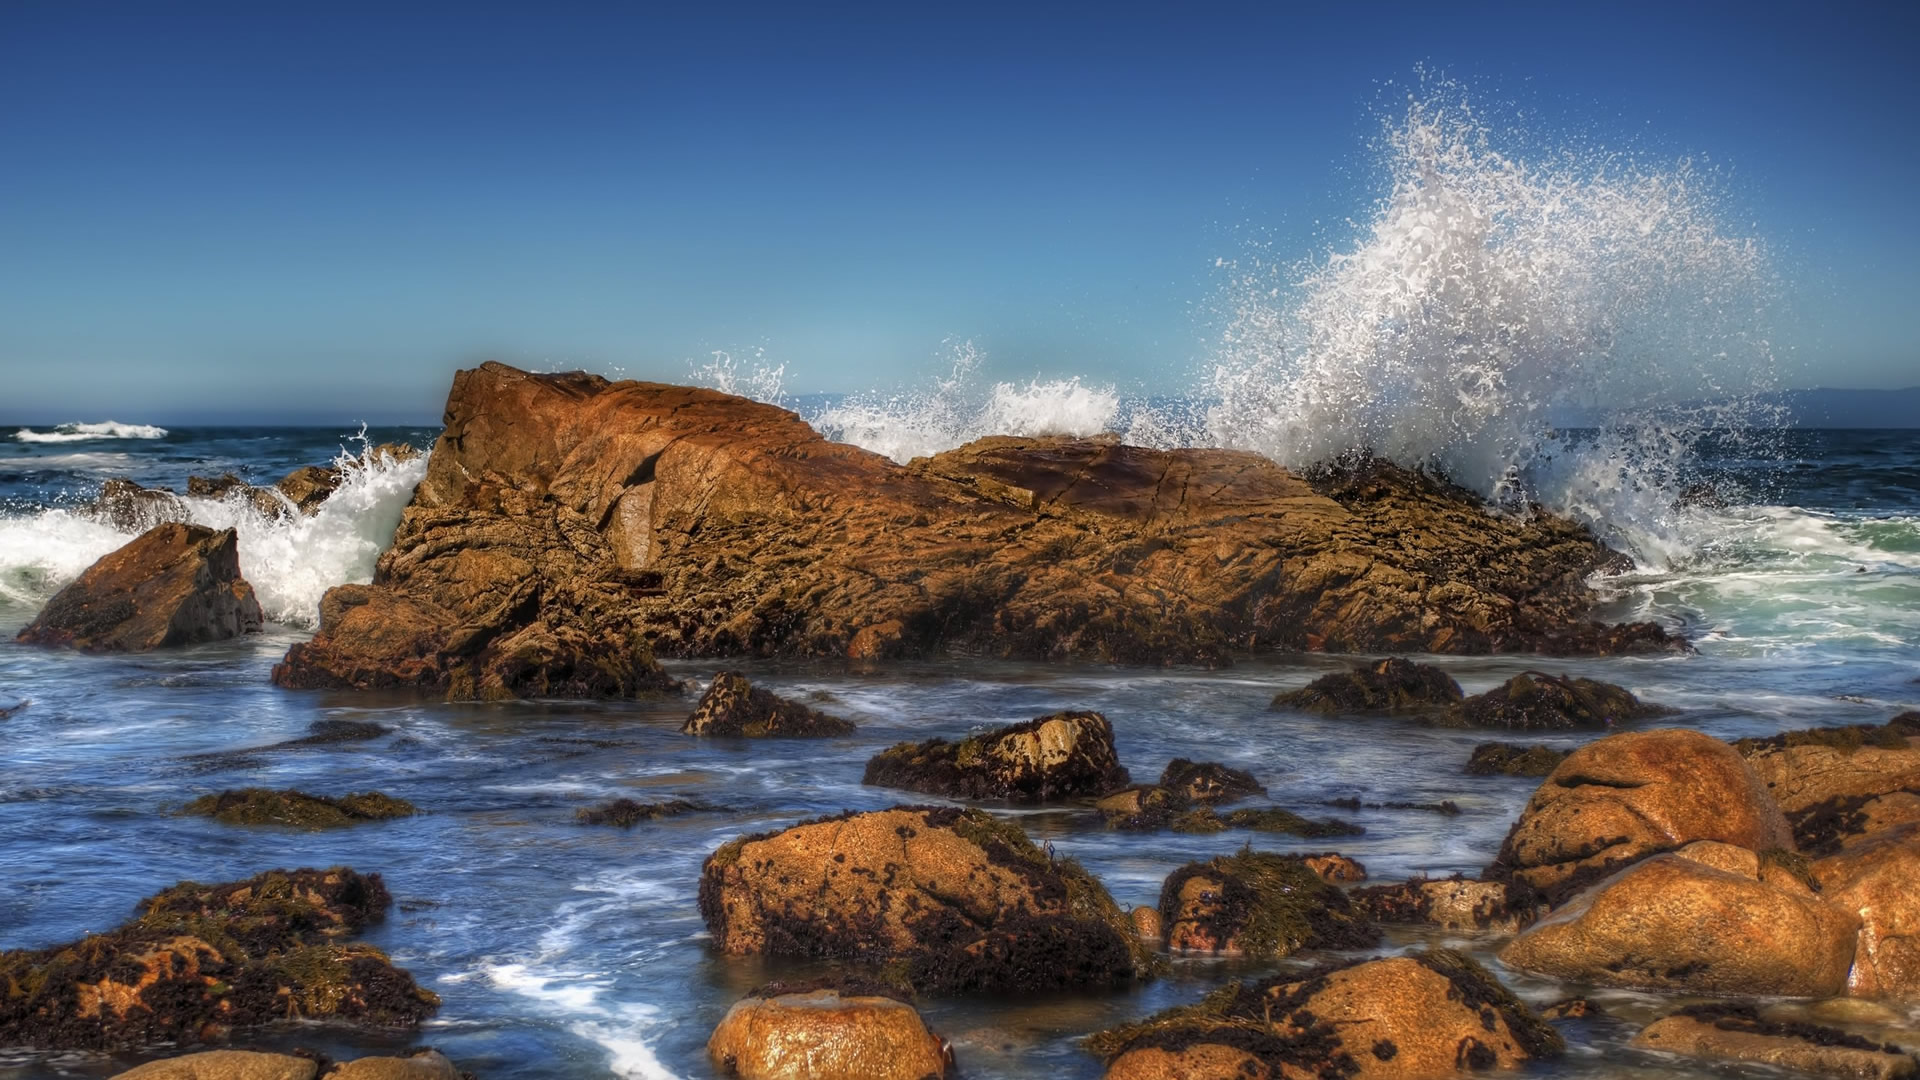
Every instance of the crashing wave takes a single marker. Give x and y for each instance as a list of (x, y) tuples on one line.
[(109, 429)]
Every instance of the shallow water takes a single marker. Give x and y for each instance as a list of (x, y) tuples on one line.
[(569, 951)]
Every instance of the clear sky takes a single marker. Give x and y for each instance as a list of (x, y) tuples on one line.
[(213, 213)]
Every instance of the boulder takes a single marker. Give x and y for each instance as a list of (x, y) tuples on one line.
[(1535, 700), (1061, 756), (1259, 905), (1454, 903), (1435, 1013), (1713, 923), (699, 524), (263, 806), (175, 584), (225, 1065), (1509, 759), (958, 900), (1392, 685), (826, 1035), (201, 961), (1877, 879), (421, 1065), (1628, 796), (734, 707), (1737, 1033), (1840, 782)]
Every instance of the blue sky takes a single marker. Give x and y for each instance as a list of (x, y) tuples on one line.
[(214, 213)]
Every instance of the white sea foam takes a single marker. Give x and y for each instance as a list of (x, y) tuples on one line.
[(99, 461), (83, 432), (39, 554)]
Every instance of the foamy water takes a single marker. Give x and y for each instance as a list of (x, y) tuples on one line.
[(88, 432)]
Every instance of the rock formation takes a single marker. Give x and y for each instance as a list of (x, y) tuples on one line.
[(1835, 783), (1876, 878), (1051, 757), (734, 707), (172, 585), (1535, 700)]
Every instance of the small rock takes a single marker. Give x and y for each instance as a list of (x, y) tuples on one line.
[(1737, 1033), (732, 706), (1260, 905), (1208, 781), (263, 806), (1572, 1009), (626, 813), (175, 584), (1060, 756), (129, 507), (1146, 923), (1535, 700), (225, 1065), (822, 1035), (1392, 685), (1509, 759)]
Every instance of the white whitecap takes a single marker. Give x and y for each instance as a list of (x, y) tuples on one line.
[(108, 429)]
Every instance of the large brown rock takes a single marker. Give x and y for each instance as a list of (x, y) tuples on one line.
[(1628, 796), (702, 524), (175, 584), (822, 1035), (1059, 756), (225, 1065), (1430, 1014), (733, 706), (1709, 919), (1877, 879), (1835, 783), (1738, 1034), (959, 900)]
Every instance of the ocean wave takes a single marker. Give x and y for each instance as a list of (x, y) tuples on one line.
[(108, 429), (82, 462)]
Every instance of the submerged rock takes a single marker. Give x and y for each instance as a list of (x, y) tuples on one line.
[(1435, 1013), (1208, 781), (1392, 685), (826, 1034), (264, 806), (575, 512), (1509, 759), (1738, 1033), (1064, 755), (958, 900), (732, 706), (1535, 700), (201, 961), (1877, 878), (626, 813), (1841, 782), (1622, 798), (175, 584), (1259, 905)]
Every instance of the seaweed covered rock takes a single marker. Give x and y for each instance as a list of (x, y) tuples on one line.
[(1258, 904), (1622, 798), (961, 901), (1059, 756), (225, 1065), (1205, 819), (826, 1034), (1392, 685), (1454, 903), (1509, 759), (1877, 878), (1435, 1013), (732, 706), (1712, 921), (626, 813), (201, 961), (175, 584), (264, 806), (1737, 1033), (1208, 781), (1839, 782), (1535, 700)]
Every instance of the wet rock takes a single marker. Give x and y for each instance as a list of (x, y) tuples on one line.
[(1147, 924), (422, 1065), (1142, 808), (1260, 905), (1208, 781), (1446, 806), (1454, 903), (961, 901), (695, 523), (1576, 1008), (1392, 685), (1334, 867), (1703, 926), (827, 1034), (1737, 1033), (307, 488), (201, 961), (1628, 796), (1430, 1014), (228, 487), (129, 507), (175, 584), (1877, 878), (734, 707), (1060, 756), (1267, 819), (1840, 782), (626, 813), (263, 806), (1510, 759), (1535, 700), (225, 1065)]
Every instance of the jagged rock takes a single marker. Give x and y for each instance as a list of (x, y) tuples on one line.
[(1208, 781), (826, 1034), (1508, 759), (734, 707), (1450, 903), (1702, 921), (129, 507), (1738, 1033), (1836, 783), (201, 961), (1430, 1014), (1060, 756), (1535, 700), (1877, 878), (960, 900), (701, 524), (626, 813), (225, 1065), (1260, 905), (307, 488), (1628, 796), (1392, 685), (424, 1065), (175, 584), (263, 806)]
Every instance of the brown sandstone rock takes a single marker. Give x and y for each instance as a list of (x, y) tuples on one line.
[(175, 584), (1676, 923), (1535, 700), (701, 524), (1260, 905), (1836, 783), (734, 707), (425, 1065), (822, 1035), (1392, 685), (225, 1065), (965, 902), (1628, 796), (1060, 756), (1737, 1033), (1877, 879)]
